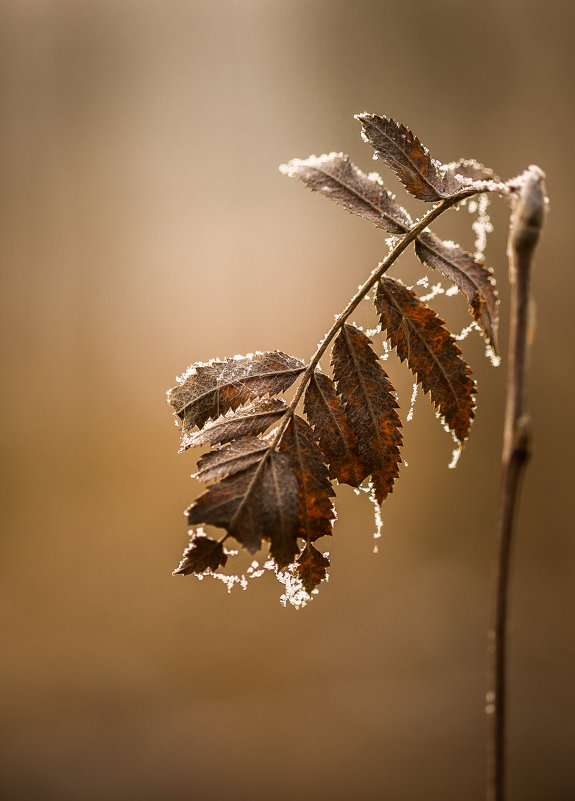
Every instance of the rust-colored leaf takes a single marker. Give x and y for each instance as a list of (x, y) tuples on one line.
[(315, 491), (403, 152), (370, 406), (259, 503), (324, 410), (337, 177), (201, 554), (311, 567), (231, 459), (209, 390), (250, 420), (421, 338), (467, 273)]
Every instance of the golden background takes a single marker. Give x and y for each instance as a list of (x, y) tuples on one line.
[(145, 225)]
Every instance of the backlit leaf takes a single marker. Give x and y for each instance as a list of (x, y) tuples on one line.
[(324, 410), (467, 273), (209, 390), (312, 567), (421, 338), (250, 420), (403, 152), (201, 554), (336, 177), (259, 503), (230, 459), (315, 491), (370, 406)]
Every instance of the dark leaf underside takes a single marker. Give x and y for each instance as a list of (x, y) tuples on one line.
[(201, 554), (250, 420), (258, 503), (312, 567), (336, 177), (231, 459), (421, 338), (210, 390)]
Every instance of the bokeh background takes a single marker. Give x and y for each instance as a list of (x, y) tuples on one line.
[(145, 226)]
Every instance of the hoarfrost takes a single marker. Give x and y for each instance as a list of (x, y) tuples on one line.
[(455, 454), (372, 332), (293, 594), (436, 289), (482, 225), (369, 490), (492, 356), (464, 333), (414, 392)]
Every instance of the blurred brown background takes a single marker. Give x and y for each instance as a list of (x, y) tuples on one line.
[(145, 225)]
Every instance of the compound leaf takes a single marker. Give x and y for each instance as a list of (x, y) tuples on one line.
[(370, 406), (421, 338)]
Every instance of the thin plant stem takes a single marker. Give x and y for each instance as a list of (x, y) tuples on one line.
[(526, 221)]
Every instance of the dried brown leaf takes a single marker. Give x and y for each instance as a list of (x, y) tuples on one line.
[(324, 410), (209, 390), (403, 152), (370, 406), (336, 177), (260, 502), (312, 567), (315, 491), (250, 420), (467, 273), (201, 554), (420, 336), (230, 459)]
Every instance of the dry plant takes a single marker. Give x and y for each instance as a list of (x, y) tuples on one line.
[(277, 487)]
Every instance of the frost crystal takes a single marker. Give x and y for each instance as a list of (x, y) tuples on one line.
[(436, 289), (455, 454), (464, 333), (369, 490), (414, 391), (482, 225)]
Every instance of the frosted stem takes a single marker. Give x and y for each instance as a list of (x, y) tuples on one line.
[(526, 223)]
